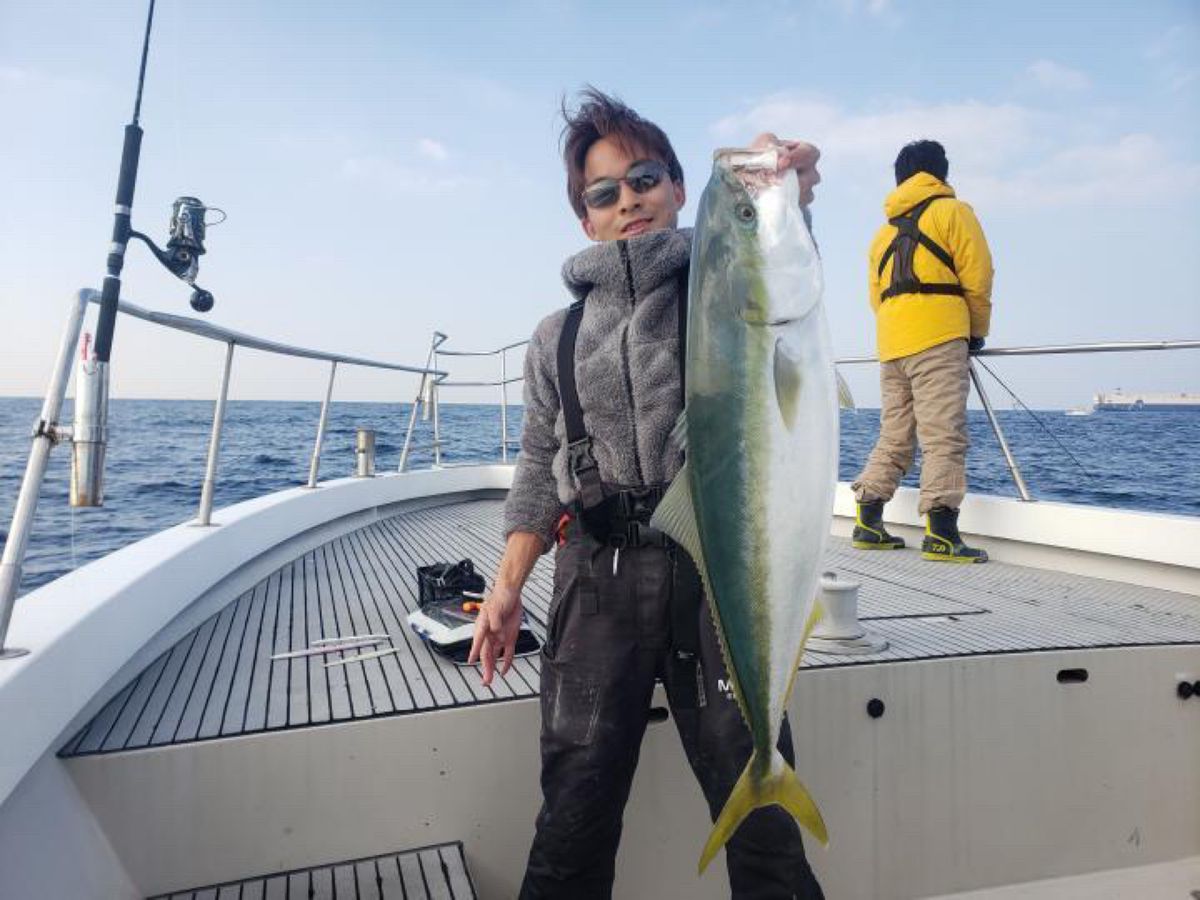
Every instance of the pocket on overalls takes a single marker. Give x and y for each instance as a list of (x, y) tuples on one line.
[(574, 591)]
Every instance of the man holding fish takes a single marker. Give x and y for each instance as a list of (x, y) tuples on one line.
[(642, 539)]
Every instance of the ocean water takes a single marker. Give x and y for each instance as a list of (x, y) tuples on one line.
[(157, 448)]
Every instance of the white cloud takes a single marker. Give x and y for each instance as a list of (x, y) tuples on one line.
[(389, 174), (1057, 77), (1173, 56), (1130, 169), (31, 80), (431, 149), (1002, 155), (976, 134), (877, 8)]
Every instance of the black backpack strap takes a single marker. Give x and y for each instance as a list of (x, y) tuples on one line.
[(923, 287), (687, 598), (902, 248), (580, 460), (681, 306), (686, 590)]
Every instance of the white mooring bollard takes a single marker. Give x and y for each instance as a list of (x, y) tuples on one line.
[(839, 631)]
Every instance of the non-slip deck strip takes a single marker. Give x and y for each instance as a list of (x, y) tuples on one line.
[(429, 873), (219, 680)]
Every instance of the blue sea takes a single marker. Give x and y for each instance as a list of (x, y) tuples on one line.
[(157, 451)]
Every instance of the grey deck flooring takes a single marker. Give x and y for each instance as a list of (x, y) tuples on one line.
[(219, 680), (428, 873)]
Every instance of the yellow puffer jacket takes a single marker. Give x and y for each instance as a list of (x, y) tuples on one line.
[(909, 323)]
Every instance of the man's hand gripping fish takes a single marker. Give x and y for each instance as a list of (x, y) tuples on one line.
[(753, 503)]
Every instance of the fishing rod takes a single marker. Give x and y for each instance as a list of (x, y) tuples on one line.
[(181, 257), (1032, 415)]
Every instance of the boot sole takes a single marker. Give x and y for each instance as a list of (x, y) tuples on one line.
[(865, 545), (961, 560)]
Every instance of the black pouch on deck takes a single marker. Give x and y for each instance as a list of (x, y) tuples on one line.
[(447, 581), (441, 619)]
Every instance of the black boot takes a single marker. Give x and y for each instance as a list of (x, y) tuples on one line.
[(869, 533), (942, 541)]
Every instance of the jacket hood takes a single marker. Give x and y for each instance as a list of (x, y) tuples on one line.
[(654, 259), (909, 193)]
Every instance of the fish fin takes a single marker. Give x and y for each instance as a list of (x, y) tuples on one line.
[(817, 614), (845, 398), (678, 434), (788, 382), (780, 786), (676, 517)]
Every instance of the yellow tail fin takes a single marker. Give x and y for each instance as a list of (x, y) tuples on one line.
[(782, 787)]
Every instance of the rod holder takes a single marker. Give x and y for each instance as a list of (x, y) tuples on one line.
[(364, 453), (839, 631), (89, 433), (427, 401)]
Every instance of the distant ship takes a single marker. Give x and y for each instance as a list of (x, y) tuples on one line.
[(1119, 401)]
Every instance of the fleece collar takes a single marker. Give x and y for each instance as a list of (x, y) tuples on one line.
[(653, 259)]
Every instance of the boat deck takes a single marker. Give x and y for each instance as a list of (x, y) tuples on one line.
[(219, 681), (428, 873)]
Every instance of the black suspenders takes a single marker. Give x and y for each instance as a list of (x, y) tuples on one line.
[(903, 245), (581, 461), (686, 589)]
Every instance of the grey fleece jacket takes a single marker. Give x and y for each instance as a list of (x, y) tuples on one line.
[(626, 372)]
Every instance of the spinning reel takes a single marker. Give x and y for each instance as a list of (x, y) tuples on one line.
[(185, 245)]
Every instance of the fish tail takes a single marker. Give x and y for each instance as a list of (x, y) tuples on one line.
[(781, 786)]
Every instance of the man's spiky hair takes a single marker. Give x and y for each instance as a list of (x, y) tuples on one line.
[(597, 116)]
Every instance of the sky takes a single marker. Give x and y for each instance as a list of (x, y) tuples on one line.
[(389, 169)]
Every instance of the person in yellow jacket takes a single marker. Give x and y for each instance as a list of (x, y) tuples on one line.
[(930, 283)]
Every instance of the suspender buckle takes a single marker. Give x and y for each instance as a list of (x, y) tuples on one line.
[(580, 457)]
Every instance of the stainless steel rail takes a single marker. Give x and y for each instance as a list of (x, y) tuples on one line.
[(47, 432), (1051, 349), (1044, 350), (428, 393)]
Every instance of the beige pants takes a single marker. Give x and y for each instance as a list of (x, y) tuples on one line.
[(924, 397)]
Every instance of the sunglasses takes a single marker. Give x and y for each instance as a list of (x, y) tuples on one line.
[(644, 175)]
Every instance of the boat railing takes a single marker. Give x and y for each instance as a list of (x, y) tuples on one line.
[(1042, 350), (427, 396), (432, 378), (47, 431)]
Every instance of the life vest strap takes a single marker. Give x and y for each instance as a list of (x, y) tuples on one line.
[(902, 248)]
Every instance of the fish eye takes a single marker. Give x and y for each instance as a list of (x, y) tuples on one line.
[(744, 212)]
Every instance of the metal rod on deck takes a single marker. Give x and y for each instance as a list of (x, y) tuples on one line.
[(214, 443), (437, 430), (504, 405), (315, 465), (438, 339), (1008, 457), (412, 418), (44, 437)]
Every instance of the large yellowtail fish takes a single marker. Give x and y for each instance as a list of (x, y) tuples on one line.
[(754, 502)]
